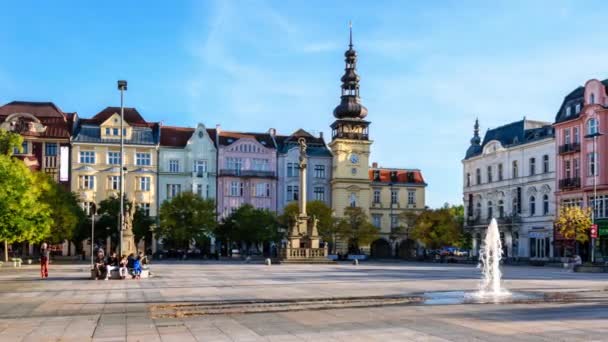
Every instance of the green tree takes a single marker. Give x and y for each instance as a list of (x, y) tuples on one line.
[(108, 223), (142, 227), (186, 218), (9, 141), (356, 229), (574, 223), (23, 217), (318, 209), (436, 228), (250, 226)]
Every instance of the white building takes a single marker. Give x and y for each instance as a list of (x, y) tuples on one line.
[(187, 162), (510, 176)]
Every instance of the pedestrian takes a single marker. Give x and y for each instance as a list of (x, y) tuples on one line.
[(45, 254)]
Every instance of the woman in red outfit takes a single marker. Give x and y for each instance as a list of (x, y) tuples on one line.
[(45, 253)]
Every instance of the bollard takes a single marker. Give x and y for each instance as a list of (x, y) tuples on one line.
[(356, 262), (268, 262)]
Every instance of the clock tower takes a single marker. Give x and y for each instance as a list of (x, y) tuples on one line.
[(350, 144)]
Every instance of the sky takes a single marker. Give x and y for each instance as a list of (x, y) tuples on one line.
[(428, 68)]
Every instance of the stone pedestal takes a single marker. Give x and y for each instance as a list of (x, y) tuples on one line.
[(128, 241)]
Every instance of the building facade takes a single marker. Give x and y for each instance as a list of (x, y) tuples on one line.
[(580, 127), (247, 171), (510, 176), (96, 158), (187, 162), (318, 185)]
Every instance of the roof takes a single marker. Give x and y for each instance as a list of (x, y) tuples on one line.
[(575, 97), (515, 133), (131, 116), (227, 138), (396, 176), (175, 136), (57, 122), (315, 146)]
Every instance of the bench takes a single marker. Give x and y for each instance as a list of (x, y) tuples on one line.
[(114, 273)]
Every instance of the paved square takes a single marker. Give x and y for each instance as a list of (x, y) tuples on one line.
[(67, 307)]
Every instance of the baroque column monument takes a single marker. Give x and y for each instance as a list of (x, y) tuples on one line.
[(303, 238)]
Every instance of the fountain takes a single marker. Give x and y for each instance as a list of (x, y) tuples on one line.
[(490, 255)]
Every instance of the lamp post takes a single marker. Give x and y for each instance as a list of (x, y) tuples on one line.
[(93, 209), (593, 135), (122, 87)]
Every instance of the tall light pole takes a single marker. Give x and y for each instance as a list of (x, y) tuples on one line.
[(93, 209), (593, 135), (122, 86)]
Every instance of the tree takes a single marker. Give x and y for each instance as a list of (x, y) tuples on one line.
[(142, 226), (356, 229), (438, 227), (9, 142), (318, 209), (574, 223), (23, 217), (186, 218), (250, 226)]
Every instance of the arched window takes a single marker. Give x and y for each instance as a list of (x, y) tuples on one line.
[(353, 200), (546, 205), (501, 208), (592, 98), (478, 210), (591, 126), (514, 206), (532, 205), (489, 210)]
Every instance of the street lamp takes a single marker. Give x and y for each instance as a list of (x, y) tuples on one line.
[(92, 209), (122, 86), (593, 135)]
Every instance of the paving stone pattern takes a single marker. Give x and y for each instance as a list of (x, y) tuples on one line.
[(68, 307)]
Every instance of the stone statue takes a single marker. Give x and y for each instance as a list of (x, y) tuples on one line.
[(130, 213), (303, 146)]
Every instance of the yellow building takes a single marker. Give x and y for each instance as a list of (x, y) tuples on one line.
[(382, 193), (96, 158)]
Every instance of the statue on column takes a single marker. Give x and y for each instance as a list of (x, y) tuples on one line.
[(127, 234)]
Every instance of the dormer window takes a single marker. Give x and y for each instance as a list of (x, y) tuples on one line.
[(578, 108), (592, 98), (115, 131), (568, 111), (107, 131)]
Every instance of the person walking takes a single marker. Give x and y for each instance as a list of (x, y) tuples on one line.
[(45, 254)]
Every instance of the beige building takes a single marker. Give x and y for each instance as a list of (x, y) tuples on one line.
[(96, 158)]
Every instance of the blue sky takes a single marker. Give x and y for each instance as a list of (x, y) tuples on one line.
[(427, 68)]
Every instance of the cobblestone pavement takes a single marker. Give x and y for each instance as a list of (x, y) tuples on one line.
[(68, 307)]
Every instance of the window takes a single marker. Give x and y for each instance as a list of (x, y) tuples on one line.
[(394, 221), (262, 190), (501, 208), (173, 190), (577, 169), (468, 179), (515, 169), (113, 182), (532, 166), (577, 137), (199, 190), (87, 157), (115, 131), (87, 182), (394, 196), (489, 174), (292, 170), (478, 176), (200, 167), (578, 108), (376, 195), (144, 183), (411, 197), (108, 131), (292, 193), (234, 188), (144, 159), (599, 207), (568, 111), (591, 126), (592, 98), (50, 149), (174, 165), (591, 164), (532, 205), (114, 158), (319, 193), (145, 207), (24, 149), (478, 210), (545, 205), (546, 163), (261, 164), (567, 136), (500, 176), (319, 171), (353, 200), (489, 209), (87, 206), (568, 169), (377, 220)]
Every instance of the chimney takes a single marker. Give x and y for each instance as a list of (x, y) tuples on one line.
[(218, 129), (321, 134), (272, 131), (374, 165)]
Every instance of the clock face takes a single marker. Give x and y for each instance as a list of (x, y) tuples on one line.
[(354, 158)]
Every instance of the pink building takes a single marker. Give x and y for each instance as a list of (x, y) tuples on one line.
[(247, 171), (582, 152)]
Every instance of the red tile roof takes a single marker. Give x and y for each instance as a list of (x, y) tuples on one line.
[(55, 120), (175, 136), (379, 175), (131, 116)]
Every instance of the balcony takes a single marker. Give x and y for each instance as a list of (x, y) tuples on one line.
[(569, 183), (569, 148), (246, 173)]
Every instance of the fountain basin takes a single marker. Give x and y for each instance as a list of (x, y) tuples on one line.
[(474, 297)]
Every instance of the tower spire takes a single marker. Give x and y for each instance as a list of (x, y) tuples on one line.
[(476, 140), (350, 27)]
